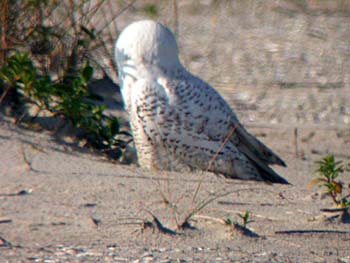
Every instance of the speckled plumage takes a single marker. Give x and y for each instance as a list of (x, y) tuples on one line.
[(179, 122)]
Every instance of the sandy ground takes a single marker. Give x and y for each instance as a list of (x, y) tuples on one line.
[(284, 69), (61, 203)]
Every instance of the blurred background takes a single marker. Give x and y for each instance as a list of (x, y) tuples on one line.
[(278, 62)]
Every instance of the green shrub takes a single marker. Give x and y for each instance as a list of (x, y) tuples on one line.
[(69, 98), (329, 170)]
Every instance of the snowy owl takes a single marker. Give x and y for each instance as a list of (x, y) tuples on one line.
[(179, 122)]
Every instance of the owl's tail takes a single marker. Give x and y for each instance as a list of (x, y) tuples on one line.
[(269, 175), (260, 155)]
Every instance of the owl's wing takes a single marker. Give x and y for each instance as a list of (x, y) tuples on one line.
[(253, 147), (167, 120), (208, 108), (222, 122), (193, 121)]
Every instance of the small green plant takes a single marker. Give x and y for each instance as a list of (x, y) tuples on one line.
[(243, 226), (245, 218), (150, 9), (20, 74), (329, 170)]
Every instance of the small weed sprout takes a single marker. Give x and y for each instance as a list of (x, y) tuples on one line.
[(242, 227), (151, 10), (329, 170), (245, 218)]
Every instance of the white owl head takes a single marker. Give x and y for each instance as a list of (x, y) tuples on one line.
[(147, 42)]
